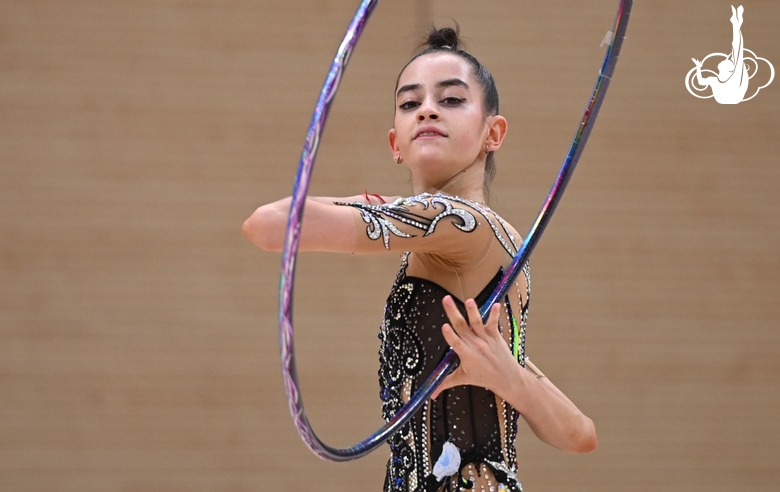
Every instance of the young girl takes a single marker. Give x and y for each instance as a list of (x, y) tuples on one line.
[(455, 248)]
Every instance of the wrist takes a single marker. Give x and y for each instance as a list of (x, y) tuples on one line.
[(515, 384)]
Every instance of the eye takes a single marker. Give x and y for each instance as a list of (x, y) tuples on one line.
[(453, 101), (408, 105)]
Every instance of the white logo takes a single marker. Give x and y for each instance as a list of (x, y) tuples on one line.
[(730, 84)]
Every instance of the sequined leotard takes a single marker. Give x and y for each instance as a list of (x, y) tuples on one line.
[(481, 425)]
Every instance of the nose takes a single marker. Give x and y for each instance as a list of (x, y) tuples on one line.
[(428, 110)]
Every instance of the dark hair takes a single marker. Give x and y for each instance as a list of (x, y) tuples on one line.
[(447, 40)]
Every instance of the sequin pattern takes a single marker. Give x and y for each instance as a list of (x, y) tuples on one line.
[(378, 216), (482, 427)]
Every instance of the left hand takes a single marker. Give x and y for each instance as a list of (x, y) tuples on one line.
[(487, 361), (485, 358)]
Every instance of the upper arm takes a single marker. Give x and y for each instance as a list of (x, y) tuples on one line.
[(427, 223)]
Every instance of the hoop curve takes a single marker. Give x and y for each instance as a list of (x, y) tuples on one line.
[(292, 236)]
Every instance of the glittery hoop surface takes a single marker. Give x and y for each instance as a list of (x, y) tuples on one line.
[(292, 236)]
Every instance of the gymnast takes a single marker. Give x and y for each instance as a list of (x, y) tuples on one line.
[(453, 251)]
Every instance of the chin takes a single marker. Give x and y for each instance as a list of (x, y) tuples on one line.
[(431, 168)]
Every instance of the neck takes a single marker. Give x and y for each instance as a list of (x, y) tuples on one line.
[(468, 184)]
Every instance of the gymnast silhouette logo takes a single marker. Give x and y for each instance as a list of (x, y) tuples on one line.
[(735, 70)]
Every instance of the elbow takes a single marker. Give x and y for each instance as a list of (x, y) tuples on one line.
[(265, 228), (585, 440)]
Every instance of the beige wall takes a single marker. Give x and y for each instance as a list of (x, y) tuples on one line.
[(138, 345)]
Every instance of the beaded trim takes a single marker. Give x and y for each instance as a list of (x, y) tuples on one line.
[(409, 467), (378, 216)]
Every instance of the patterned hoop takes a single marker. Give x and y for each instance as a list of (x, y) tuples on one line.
[(295, 402)]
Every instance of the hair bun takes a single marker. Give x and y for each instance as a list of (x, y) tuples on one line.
[(444, 38)]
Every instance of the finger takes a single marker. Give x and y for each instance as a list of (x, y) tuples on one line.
[(475, 319), (457, 322), (451, 337), (492, 323)]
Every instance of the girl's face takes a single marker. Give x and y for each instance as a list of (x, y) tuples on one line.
[(440, 128)]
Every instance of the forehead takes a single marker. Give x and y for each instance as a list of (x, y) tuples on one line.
[(431, 68)]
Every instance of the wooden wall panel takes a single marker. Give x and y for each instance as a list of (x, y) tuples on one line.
[(138, 343)]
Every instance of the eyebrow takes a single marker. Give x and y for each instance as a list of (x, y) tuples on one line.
[(443, 83)]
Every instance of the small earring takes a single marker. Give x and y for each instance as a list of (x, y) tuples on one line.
[(486, 149), (399, 159)]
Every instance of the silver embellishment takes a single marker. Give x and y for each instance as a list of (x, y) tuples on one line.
[(378, 216), (378, 225), (410, 460)]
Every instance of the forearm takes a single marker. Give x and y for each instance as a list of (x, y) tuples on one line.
[(325, 226), (549, 413)]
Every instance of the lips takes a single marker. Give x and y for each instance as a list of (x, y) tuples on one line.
[(429, 132)]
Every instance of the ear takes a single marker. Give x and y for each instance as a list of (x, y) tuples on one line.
[(392, 137), (497, 128)]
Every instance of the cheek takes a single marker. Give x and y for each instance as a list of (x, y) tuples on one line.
[(470, 134), (404, 128)]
